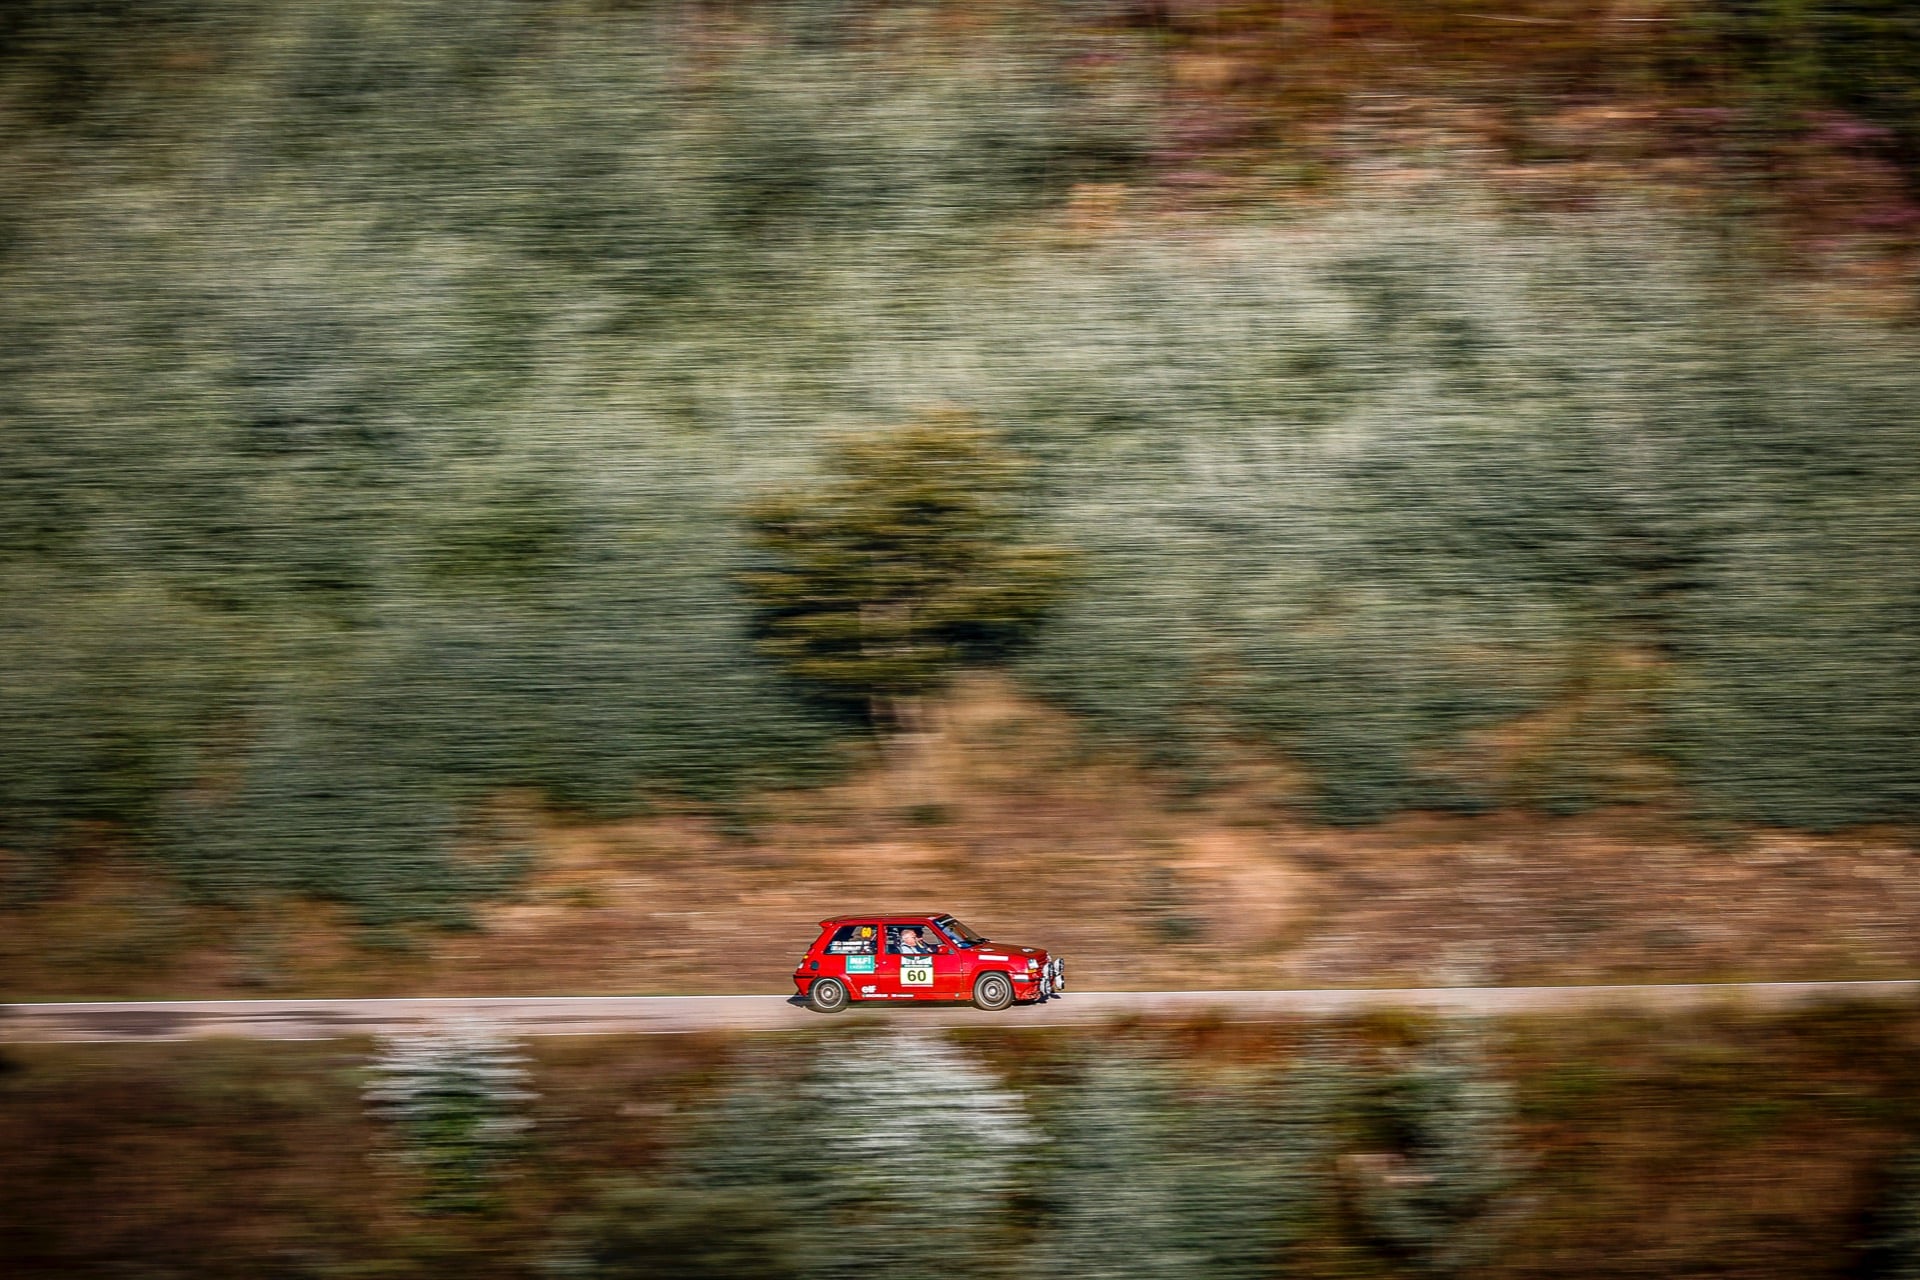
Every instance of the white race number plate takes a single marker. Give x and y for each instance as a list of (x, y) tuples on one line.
[(916, 973)]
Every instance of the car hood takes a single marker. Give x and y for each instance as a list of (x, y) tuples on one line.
[(987, 950)]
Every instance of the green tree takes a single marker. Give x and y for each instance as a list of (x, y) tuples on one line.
[(899, 564)]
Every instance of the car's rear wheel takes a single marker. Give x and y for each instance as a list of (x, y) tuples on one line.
[(993, 991), (827, 995)]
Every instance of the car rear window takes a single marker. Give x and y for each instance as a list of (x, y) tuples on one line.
[(852, 940)]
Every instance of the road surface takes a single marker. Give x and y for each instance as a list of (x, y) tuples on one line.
[(627, 1015)]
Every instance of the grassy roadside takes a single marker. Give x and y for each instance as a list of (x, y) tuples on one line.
[(1725, 1145)]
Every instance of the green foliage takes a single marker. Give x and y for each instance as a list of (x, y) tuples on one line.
[(899, 564), (1785, 61), (1152, 1173), (671, 1233), (382, 381), (335, 491), (1800, 674), (95, 686), (455, 1100), (889, 1151), (1385, 489), (1447, 1120), (1893, 1252)]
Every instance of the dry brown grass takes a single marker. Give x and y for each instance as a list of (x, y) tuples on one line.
[(1556, 104), (1007, 817)]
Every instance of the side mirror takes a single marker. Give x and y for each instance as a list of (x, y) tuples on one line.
[(944, 949)]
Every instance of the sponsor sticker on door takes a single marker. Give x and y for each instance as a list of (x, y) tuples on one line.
[(859, 964)]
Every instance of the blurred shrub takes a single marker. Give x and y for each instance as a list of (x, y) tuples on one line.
[(1446, 1119), (889, 1152), (455, 1099), (1154, 1173), (319, 517), (1368, 495), (1893, 1249), (899, 565), (105, 693), (671, 1233), (1782, 63)]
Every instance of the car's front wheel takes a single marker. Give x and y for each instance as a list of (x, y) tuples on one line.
[(993, 991), (827, 995)]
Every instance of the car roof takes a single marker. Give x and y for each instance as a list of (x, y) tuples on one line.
[(882, 917)]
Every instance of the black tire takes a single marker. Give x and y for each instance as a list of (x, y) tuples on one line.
[(827, 995), (992, 991)]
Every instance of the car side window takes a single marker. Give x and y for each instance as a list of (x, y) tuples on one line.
[(911, 940), (852, 940)]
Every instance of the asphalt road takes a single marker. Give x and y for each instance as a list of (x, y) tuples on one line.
[(629, 1015)]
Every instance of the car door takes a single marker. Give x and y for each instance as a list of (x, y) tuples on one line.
[(953, 967), (905, 972), (959, 961)]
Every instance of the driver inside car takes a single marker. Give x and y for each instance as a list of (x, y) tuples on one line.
[(910, 943)]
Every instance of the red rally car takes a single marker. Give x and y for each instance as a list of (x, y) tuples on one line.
[(873, 957)]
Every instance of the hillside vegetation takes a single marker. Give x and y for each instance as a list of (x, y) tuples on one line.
[(387, 385)]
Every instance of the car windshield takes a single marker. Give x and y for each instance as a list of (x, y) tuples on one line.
[(961, 935)]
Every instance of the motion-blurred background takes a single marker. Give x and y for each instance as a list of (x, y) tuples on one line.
[(559, 497)]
